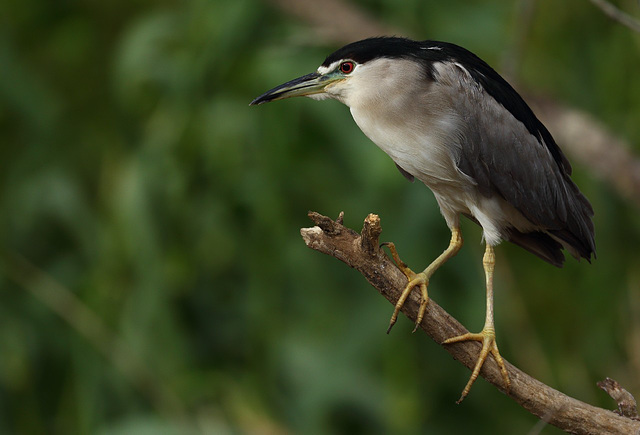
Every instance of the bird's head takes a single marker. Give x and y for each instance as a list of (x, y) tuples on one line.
[(355, 70)]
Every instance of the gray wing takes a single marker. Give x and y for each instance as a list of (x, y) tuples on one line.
[(504, 158)]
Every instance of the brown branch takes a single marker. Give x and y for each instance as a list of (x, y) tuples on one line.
[(590, 143), (616, 14), (334, 20), (582, 137), (361, 252)]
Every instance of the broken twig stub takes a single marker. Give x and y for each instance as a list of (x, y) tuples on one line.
[(627, 405)]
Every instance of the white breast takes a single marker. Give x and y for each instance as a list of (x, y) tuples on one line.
[(417, 123), (426, 153), (408, 117)]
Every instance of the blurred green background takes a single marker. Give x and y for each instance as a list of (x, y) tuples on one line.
[(152, 275)]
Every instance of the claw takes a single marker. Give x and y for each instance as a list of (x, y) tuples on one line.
[(421, 279), (488, 339), (415, 280)]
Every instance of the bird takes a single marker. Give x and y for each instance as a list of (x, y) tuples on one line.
[(449, 120)]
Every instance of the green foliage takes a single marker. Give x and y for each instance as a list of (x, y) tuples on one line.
[(166, 212)]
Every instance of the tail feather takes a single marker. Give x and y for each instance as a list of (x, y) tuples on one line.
[(540, 244), (570, 229)]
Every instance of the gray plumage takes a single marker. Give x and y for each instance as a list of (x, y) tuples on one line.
[(506, 162), (449, 120)]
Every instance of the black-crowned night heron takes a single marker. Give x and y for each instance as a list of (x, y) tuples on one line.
[(448, 119)]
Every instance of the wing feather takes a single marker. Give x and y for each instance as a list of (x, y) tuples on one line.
[(500, 153)]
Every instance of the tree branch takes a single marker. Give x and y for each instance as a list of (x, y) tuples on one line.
[(616, 14), (362, 252)]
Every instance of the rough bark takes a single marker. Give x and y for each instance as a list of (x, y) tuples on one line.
[(362, 252)]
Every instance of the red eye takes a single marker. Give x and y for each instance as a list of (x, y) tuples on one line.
[(346, 67)]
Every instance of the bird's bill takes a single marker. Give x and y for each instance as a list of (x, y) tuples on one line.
[(309, 84)]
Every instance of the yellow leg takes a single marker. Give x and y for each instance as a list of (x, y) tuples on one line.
[(488, 335), (421, 279)]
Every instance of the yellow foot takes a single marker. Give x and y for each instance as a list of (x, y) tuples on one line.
[(488, 339), (415, 280)]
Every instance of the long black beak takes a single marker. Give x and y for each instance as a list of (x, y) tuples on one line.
[(309, 84)]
